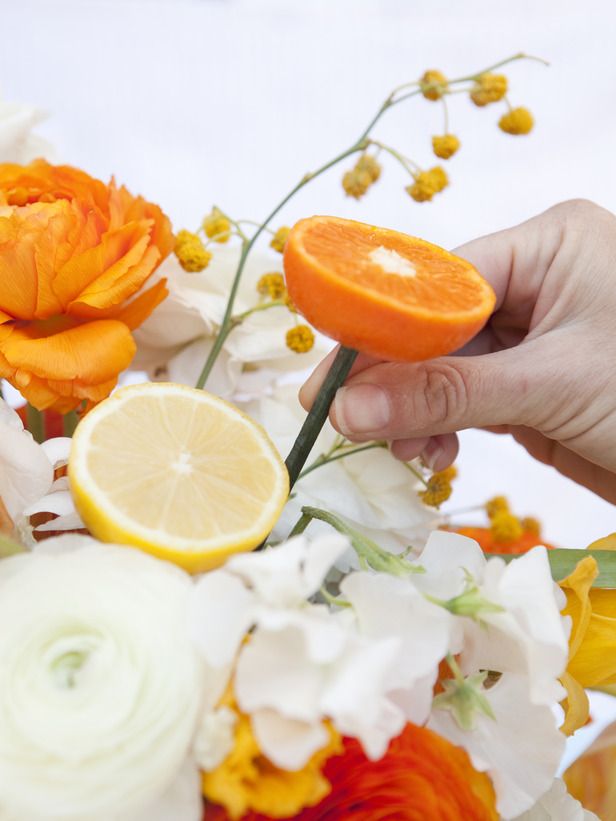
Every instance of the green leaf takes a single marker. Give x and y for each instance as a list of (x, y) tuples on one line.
[(563, 561)]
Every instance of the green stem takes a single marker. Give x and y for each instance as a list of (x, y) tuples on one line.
[(318, 412), (69, 423), (35, 422), (325, 460), (300, 525), (369, 552), (246, 248)]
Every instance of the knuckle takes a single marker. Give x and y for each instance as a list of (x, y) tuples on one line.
[(443, 396)]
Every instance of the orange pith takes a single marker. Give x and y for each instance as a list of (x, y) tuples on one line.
[(335, 276)]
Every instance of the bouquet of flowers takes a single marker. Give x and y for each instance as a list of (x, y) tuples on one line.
[(193, 629)]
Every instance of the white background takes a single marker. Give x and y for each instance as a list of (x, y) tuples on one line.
[(191, 103)]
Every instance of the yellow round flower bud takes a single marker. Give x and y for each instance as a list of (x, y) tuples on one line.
[(300, 339), (356, 183), (489, 88), (433, 84), (439, 178), (191, 252), (531, 525), (217, 226), (272, 285), (279, 239), (517, 121), (370, 165), (438, 489), (445, 146), (497, 504), (505, 527)]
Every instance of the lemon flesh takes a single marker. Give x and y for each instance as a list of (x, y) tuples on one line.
[(178, 472)]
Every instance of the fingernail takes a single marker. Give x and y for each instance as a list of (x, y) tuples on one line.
[(361, 409), (431, 454)]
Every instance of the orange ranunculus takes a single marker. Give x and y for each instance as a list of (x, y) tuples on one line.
[(422, 776), (484, 537), (73, 253)]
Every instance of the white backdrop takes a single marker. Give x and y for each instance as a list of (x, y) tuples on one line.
[(192, 102)]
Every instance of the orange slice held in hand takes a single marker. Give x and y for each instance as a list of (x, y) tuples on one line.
[(382, 292)]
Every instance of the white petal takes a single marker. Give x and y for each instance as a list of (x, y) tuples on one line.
[(60, 503), (445, 559), (26, 473), (57, 450), (287, 743), (215, 737), (558, 805), (274, 671), (521, 750), (220, 614), (182, 801)]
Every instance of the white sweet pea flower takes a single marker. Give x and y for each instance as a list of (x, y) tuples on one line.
[(101, 686), (558, 805), (373, 491), (17, 142), (517, 626), (175, 340), (520, 747), (369, 667)]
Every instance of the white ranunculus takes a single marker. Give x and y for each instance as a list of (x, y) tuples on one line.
[(520, 747), (175, 340), (17, 142), (558, 805), (373, 491), (368, 668), (101, 687)]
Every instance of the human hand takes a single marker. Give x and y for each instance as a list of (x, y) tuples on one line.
[(543, 369)]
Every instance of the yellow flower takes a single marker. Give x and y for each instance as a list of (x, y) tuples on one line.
[(279, 239), (505, 527), (356, 183), (516, 121), (592, 643), (246, 780), (272, 285), (489, 88), (300, 339), (496, 505), (438, 489), (217, 226), (191, 252), (531, 525), (433, 84), (428, 183), (445, 146), (592, 777), (369, 164)]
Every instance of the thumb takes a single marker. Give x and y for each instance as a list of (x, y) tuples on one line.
[(394, 400)]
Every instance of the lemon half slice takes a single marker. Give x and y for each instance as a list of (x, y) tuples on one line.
[(178, 472)]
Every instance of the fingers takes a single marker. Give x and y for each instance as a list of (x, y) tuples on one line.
[(437, 452), (418, 401)]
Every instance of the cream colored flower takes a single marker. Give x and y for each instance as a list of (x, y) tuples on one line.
[(173, 343), (17, 142), (101, 688)]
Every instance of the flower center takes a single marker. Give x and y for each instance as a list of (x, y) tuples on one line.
[(67, 658), (392, 263)]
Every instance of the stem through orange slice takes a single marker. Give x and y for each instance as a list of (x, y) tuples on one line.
[(178, 472), (382, 292)]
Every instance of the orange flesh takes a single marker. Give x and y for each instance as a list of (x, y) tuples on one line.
[(441, 282)]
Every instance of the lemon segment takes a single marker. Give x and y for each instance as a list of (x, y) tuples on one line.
[(178, 472)]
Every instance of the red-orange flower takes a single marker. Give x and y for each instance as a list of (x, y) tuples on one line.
[(423, 777), (73, 254)]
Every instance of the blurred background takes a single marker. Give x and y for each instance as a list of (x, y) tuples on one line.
[(192, 102), (195, 102)]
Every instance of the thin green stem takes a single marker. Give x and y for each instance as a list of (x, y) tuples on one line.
[(35, 422), (318, 412), (333, 600), (300, 525), (409, 166), (326, 460), (70, 421)]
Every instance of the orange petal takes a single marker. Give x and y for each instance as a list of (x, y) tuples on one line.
[(90, 353), (142, 306)]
